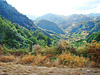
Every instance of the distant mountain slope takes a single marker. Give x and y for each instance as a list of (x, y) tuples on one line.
[(93, 15), (89, 26), (32, 17), (11, 14), (65, 21), (50, 17), (45, 24)]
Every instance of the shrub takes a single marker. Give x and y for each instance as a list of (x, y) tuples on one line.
[(82, 51), (18, 52), (94, 51), (61, 46), (1, 50), (39, 60), (64, 46), (37, 48)]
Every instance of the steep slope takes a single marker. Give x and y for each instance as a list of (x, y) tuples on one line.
[(11, 14), (93, 36), (15, 36), (45, 24), (9, 35)]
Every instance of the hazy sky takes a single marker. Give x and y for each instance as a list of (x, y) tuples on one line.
[(62, 7)]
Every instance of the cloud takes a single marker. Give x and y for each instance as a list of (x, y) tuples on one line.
[(63, 7), (92, 4)]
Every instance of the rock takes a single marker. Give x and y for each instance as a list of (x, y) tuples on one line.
[(4, 70), (33, 74), (88, 70), (25, 73)]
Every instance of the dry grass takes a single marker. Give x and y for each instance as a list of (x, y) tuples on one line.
[(27, 59), (7, 58), (72, 61), (39, 60)]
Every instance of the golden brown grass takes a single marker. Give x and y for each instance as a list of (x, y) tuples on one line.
[(27, 59), (72, 61), (7, 58)]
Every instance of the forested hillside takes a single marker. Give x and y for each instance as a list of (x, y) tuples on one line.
[(14, 36), (47, 25), (89, 26)]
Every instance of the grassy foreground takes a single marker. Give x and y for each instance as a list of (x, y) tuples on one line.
[(61, 55)]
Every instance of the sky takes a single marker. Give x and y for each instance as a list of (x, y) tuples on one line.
[(61, 7)]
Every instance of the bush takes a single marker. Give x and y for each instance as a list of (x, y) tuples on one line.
[(1, 50), (64, 46), (94, 51)]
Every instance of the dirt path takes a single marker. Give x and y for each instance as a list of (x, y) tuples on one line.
[(18, 69)]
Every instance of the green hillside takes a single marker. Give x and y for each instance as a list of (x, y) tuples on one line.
[(14, 36), (89, 26), (45, 24), (93, 36)]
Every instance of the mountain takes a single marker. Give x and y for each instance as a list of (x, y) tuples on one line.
[(93, 15), (65, 21), (97, 18), (32, 17), (11, 14), (50, 17), (47, 25), (89, 26)]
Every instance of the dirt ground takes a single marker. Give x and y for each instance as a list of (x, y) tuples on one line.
[(18, 69)]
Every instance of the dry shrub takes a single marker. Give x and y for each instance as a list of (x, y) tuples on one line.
[(39, 60), (7, 58), (72, 61), (82, 51), (61, 45), (27, 59), (37, 48), (94, 51), (64, 46), (51, 50), (45, 61), (1, 50)]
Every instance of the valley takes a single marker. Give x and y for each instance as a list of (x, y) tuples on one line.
[(49, 44)]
